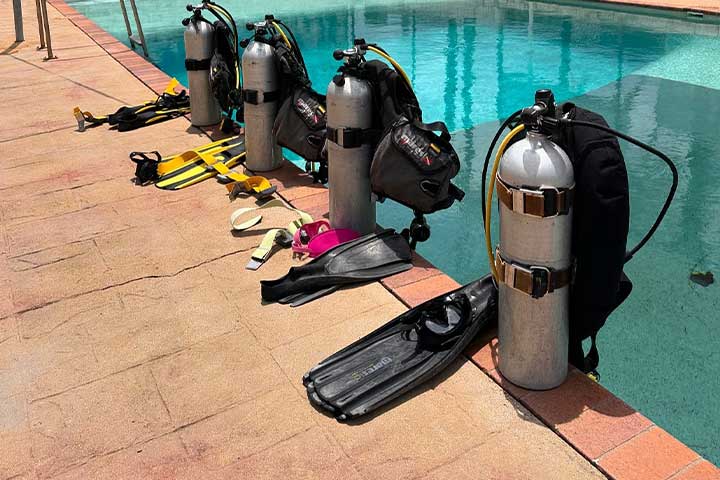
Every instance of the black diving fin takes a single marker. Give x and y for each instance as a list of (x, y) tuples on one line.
[(167, 105), (362, 260), (404, 353)]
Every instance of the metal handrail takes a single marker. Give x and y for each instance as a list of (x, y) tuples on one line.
[(138, 39), (17, 13), (44, 27), (40, 25)]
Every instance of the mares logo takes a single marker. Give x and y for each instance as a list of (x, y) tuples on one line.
[(382, 363), (417, 147), (307, 110)]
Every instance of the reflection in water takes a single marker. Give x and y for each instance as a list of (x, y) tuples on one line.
[(451, 73)]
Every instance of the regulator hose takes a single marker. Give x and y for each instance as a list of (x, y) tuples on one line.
[(567, 122), (502, 128), (671, 194), (297, 47), (225, 17), (282, 34), (488, 204), (379, 51)]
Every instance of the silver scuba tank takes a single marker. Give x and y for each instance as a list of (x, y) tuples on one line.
[(261, 84), (199, 46), (349, 113), (535, 185)]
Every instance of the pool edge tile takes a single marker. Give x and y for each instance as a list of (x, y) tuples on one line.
[(652, 454)]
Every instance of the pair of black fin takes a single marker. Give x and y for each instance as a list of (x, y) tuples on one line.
[(401, 355), (365, 259), (126, 118)]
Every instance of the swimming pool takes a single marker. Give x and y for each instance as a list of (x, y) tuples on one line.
[(474, 62)]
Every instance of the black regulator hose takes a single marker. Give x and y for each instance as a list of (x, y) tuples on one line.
[(296, 46), (671, 194), (495, 139), (567, 122)]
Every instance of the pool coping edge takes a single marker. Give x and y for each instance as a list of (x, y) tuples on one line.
[(617, 459)]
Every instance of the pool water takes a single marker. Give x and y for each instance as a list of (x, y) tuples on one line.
[(474, 62)]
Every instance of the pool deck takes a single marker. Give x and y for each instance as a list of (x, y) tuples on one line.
[(133, 343), (704, 6)]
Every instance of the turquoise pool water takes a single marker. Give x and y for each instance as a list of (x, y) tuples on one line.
[(474, 62)]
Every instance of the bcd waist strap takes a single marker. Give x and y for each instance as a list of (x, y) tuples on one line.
[(253, 97), (352, 137), (192, 65)]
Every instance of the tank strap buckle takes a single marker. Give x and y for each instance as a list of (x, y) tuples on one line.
[(540, 281), (546, 202), (256, 97), (536, 281), (346, 137)]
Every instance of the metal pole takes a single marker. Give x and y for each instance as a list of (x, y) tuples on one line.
[(46, 21), (139, 27), (127, 21), (40, 24), (17, 11)]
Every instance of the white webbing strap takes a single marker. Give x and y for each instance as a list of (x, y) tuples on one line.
[(262, 253)]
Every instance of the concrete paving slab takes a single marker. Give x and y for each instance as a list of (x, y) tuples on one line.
[(16, 457), (214, 375), (309, 455), (518, 453), (161, 458), (50, 275), (247, 428), (96, 419)]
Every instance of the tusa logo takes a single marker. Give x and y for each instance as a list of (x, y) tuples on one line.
[(359, 375)]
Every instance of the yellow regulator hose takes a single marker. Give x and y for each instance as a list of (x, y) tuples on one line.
[(282, 34), (393, 62), (488, 204)]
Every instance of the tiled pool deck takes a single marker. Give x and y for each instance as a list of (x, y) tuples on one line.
[(705, 6), (133, 343)]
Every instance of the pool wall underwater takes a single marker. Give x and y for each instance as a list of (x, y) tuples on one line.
[(656, 78)]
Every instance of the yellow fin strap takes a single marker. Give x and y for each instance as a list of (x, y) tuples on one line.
[(262, 253), (170, 89), (256, 184), (210, 150)]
